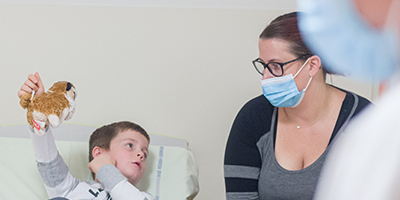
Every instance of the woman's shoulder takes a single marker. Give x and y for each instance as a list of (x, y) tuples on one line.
[(252, 121), (355, 100), (362, 101), (257, 108), (259, 103)]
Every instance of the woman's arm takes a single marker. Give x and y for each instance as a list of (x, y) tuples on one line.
[(242, 160)]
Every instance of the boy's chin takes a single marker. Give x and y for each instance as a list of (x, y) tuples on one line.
[(134, 179)]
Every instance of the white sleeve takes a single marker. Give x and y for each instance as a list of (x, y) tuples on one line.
[(118, 186), (44, 146), (52, 168)]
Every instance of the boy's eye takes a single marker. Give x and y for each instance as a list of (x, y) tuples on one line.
[(130, 145)]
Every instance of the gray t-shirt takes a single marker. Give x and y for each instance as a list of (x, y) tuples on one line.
[(276, 182)]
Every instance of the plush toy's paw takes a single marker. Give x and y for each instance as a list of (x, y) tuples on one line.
[(25, 100), (39, 122), (54, 121), (40, 132), (38, 116), (66, 114)]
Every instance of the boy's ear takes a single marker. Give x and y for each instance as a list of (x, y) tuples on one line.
[(96, 151), (315, 65)]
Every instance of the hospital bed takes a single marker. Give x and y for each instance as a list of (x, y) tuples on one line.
[(171, 170)]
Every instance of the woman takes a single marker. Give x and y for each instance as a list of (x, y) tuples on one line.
[(279, 140)]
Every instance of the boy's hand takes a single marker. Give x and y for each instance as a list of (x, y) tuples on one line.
[(33, 83), (99, 161)]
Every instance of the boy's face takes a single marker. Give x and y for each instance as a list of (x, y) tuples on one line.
[(129, 149)]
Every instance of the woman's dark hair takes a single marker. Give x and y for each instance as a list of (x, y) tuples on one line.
[(285, 27)]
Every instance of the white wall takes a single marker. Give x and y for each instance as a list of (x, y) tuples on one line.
[(183, 72)]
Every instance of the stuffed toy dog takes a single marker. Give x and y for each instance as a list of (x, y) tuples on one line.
[(52, 107)]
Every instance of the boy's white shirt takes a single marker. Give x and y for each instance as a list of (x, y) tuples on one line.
[(113, 183)]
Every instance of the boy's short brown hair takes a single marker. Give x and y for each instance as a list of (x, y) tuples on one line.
[(102, 136)]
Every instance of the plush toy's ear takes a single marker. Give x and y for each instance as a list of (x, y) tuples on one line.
[(69, 86)]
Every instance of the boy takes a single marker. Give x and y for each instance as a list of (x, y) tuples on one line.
[(117, 158)]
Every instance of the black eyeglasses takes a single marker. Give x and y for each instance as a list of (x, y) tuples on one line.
[(275, 68)]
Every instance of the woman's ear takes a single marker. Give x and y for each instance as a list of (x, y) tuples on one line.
[(315, 65), (96, 151)]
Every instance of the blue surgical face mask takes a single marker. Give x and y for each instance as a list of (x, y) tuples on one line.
[(282, 91), (346, 43)]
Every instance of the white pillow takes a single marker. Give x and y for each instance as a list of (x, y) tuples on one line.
[(171, 172)]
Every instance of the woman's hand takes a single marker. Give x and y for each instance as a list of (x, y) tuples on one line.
[(33, 83)]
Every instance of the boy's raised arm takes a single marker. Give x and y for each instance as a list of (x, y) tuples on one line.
[(52, 168)]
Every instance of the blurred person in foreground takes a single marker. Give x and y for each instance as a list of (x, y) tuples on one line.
[(360, 38)]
